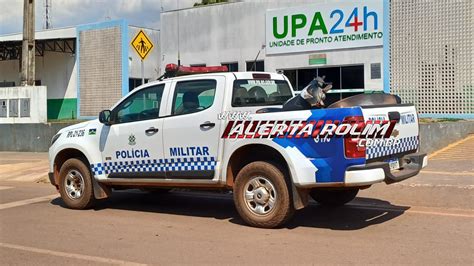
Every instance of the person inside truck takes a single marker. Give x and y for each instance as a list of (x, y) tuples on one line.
[(190, 103), (240, 96)]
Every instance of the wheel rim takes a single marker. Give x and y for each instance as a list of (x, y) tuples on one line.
[(74, 184), (260, 195)]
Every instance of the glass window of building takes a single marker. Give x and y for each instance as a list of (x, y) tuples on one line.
[(255, 66), (232, 67)]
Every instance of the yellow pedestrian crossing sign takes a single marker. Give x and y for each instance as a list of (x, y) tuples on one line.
[(142, 44)]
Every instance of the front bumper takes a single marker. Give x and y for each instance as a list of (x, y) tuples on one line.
[(371, 173)]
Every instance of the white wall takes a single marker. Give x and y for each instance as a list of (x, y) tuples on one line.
[(236, 31), (57, 71), (10, 71), (38, 108)]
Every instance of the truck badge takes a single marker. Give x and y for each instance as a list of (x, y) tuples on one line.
[(131, 140)]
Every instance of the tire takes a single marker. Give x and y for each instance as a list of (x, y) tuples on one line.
[(75, 185), (263, 183), (335, 197)]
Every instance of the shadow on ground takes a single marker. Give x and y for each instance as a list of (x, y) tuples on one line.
[(360, 213)]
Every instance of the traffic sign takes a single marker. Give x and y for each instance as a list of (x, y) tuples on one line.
[(142, 44)]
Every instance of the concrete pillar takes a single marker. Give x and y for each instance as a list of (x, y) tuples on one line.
[(28, 45)]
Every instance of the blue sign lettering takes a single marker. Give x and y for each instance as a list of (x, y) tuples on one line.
[(189, 151), (131, 154), (407, 118)]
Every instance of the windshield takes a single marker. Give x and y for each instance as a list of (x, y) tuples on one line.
[(251, 92)]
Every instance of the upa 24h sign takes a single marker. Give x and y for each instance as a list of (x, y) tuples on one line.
[(326, 26)]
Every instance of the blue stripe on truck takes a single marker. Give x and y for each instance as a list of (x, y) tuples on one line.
[(328, 157)]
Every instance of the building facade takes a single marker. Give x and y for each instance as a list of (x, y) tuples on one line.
[(303, 39), (432, 56), (422, 50), (86, 68)]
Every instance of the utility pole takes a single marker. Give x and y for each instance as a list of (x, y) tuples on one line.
[(28, 46), (47, 21)]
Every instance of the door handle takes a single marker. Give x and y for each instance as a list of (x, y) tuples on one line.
[(151, 130), (207, 125)]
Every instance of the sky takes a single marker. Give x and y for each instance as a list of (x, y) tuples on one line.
[(144, 13)]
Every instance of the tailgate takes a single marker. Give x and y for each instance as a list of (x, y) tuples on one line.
[(405, 132)]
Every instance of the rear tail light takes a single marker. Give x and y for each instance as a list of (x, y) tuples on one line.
[(352, 148), (351, 145)]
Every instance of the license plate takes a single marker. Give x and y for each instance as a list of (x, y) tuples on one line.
[(394, 164)]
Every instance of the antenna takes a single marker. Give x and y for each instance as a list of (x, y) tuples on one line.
[(47, 14), (254, 65), (177, 13)]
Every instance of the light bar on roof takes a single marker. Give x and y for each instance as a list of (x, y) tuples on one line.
[(173, 70)]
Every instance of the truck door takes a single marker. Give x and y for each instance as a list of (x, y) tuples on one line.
[(191, 133), (133, 145)]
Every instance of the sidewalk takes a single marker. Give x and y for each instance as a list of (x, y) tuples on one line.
[(24, 166)]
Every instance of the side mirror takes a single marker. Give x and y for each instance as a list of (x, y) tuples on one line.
[(104, 117)]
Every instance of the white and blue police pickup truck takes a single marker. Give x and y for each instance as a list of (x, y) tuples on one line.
[(227, 131)]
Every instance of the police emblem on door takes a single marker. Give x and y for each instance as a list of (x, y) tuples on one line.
[(131, 140)]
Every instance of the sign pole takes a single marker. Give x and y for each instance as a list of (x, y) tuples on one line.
[(143, 73), (142, 45)]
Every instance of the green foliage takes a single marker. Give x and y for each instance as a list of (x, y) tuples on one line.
[(209, 2)]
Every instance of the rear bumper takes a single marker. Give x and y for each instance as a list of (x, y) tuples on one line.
[(371, 173)]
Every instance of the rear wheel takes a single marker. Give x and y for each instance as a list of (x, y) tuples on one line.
[(262, 195), (334, 197), (75, 185)]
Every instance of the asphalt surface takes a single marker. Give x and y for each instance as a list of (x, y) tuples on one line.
[(428, 219)]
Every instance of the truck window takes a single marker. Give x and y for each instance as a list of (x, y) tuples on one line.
[(250, 92), (142, 105), (193, 96)]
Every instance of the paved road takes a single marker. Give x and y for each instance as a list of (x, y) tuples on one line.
[(428, 219), (24, 166)]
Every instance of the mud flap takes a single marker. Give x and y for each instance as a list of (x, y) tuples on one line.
[(300, 197), (100, 191)]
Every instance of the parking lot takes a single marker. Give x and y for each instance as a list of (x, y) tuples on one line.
[(428, 219)]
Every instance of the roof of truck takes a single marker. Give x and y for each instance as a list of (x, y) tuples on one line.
[(236, 75), (232, 75)]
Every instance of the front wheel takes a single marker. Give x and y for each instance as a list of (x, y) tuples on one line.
[(262, 195), (75, 185), (334, 197)]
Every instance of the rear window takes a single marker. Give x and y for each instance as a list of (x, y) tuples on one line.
[(251, 92)]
